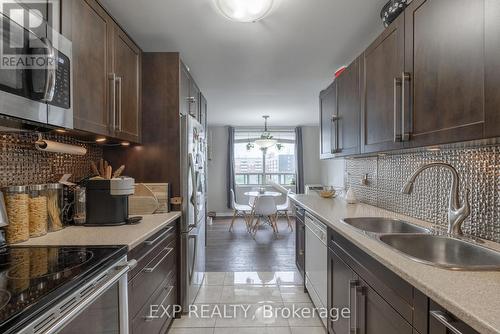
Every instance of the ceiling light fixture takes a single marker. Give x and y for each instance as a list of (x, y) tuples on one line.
[(245, 10), (266, 140)]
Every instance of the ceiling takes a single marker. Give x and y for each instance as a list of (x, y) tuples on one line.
[(276, 66)]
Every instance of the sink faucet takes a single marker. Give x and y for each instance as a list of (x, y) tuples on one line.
[(456, 213)]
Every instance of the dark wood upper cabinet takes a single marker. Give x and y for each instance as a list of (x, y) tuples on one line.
[(184, 87), (383, 66), (106, 72), (443, 92), (127, 68), (328, 112), (90, 28), (492, 68), (194, 100), (349, 110), (203, 111)]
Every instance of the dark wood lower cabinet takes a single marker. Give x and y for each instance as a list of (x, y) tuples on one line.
[(341, 281), (374, 315), (152, 286), (300, 240)]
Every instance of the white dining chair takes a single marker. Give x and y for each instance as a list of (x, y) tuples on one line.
[(265, 207), (251, 199), (240, 210), (283, 209)]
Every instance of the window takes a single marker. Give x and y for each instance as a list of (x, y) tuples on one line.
[(253, 166)]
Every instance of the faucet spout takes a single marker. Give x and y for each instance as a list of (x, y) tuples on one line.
[(456, 213)]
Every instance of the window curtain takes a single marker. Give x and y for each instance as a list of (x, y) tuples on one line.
[(230, 165), (299, 160)]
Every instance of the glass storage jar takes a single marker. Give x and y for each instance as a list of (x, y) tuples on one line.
[(37, 210), (17, 205), (55, 206)]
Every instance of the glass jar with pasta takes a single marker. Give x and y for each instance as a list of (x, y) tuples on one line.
[(17, 205), (54, 206), (37, 210)]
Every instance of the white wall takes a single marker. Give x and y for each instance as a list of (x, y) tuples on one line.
[(312, 164), (332, 172), (217, 166)]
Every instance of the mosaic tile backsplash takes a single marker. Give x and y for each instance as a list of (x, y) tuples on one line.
[(479, 170), (21, 163)]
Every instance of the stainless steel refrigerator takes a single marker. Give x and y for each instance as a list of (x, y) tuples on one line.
[(193, 229)]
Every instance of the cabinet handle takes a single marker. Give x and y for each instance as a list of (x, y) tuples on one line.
[(112, 79), (119, 83), (360, 318), (397, 136), (405, 98), (153, 317), (151, 269), (352, 285), (445, 320), (335, 120), (155, 240)]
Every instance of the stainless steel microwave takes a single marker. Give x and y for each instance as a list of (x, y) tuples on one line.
[(35, 65)]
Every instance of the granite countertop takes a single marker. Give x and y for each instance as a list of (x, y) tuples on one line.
[(130, 235), (474, 297)]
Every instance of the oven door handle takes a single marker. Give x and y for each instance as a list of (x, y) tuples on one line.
[(120, 272)]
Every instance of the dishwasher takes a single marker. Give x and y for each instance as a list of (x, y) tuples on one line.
[(316, 262)]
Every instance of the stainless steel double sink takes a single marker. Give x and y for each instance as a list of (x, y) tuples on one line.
[(419, 244)]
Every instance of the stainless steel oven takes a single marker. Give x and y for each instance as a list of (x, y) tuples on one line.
[(35, 64), (97, 306)]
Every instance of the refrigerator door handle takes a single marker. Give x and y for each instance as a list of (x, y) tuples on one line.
[(192, 266), (194, 195)]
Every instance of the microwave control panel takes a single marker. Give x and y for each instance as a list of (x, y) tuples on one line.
[(62, 93)]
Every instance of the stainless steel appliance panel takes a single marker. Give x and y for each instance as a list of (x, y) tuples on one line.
[(39, 93), (193, 148)]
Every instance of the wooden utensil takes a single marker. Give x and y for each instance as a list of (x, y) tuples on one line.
[(101, 168), (93, 166), (119, 171), (109, 171)]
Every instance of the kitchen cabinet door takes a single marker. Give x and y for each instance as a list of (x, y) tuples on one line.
[(127, 71), (203, 111), (194, 100), (185, 101), (443, 89), (300, 241), (342, 282), (349, 110), (374, 315), (90, 28), (383, 68), (492, 68), (328, 115)]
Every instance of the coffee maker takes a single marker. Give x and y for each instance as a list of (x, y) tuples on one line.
[(107, 201)]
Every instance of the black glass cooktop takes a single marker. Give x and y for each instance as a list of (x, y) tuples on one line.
[(33, 277)]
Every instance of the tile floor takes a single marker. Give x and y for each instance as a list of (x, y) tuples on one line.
[(238, 302)]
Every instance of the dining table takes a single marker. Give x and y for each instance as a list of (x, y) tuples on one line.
[(264, 194)]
